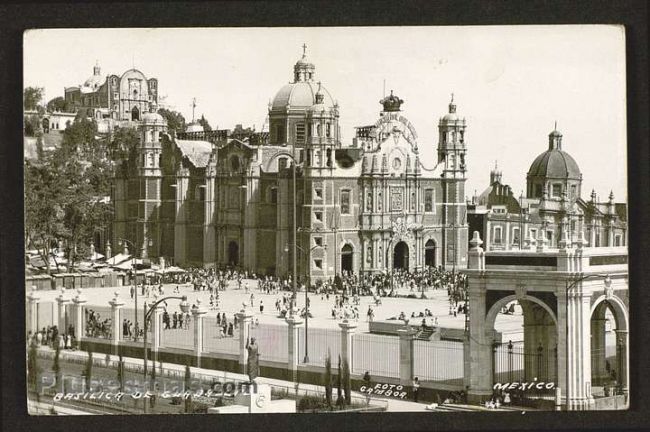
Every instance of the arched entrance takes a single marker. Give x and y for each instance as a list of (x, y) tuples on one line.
[(525, 345), (346, 258), (608, 349), (430, 253), (135, 114), (401, 256), (233, 253), (46, 125)]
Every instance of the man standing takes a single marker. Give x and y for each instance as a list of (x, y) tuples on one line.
[(416, 387)]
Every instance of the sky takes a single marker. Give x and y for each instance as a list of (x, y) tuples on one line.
[(511, 83)]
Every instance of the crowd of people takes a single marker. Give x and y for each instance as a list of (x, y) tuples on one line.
[(97, 326), (51, 336)]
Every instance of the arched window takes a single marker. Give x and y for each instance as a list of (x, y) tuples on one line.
[(328, 129), (318, 130)]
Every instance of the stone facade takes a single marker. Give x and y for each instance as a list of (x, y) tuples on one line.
[(551, 212), (126, 97), (368, 206)]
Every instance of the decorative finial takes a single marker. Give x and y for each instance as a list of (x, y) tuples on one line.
[(555, 127), (452, 98), (304, 50), (611, 195)]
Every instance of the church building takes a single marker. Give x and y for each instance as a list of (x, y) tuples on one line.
[(552, 213), (216, 198)]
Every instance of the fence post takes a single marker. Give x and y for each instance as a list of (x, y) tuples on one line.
[(347, 330), (244, 317), (32, 300), (406, 338), (198, 313), (61, 318), (116, 333), (293, 359), (78, 302)]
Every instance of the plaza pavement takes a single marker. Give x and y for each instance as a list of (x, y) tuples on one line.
[(231, 301)]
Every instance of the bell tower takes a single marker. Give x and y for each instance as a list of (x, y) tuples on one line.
[(451, 143)]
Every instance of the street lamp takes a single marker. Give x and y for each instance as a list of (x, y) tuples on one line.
[(185, 307), (122, 241), (306, 359), (608, 283)]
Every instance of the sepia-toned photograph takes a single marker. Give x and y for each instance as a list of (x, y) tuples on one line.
[(326, 219)]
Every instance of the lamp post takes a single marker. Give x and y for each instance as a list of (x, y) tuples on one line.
[(608, 282), (185, 307), (306, 359), (521, 216), (122, 241)]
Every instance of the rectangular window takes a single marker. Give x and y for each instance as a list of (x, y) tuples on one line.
[(533, 234), (428, 200), (497, 235), (282, 164), (574, 191), (273, 198), (515, 236), (300, 133), (318, 241), (617, 240), (557, 190), (318, 263), (345, 202), (318, 215), (538, 191)]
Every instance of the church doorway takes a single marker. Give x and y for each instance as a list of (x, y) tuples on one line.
[(135, 114), (430, 254), (346, 258), (233, 253), (401, 256)]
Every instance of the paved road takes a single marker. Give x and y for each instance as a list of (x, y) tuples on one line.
[(232, 299)]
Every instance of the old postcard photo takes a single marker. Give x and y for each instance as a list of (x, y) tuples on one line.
[(320, 219)]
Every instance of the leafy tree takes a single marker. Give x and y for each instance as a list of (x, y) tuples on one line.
[(340, 401), (59, 104), (56, 364), (32, 125), (33, 369), (346, 382), (88, 370), (188, 383), (120, 373), (204, 122), (32, 97), (175, 120), (328, 379)]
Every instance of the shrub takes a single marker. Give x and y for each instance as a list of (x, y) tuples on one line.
[(309, 402)]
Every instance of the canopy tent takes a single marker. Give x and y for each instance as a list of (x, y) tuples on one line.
[(171, 269), (118, 259), (95, 256)]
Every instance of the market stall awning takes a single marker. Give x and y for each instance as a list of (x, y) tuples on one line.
[(118, 259)]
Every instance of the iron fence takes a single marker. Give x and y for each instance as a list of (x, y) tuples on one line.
[(216, 341), (272, 342), (320, 342), (440, 361), (377, 354)]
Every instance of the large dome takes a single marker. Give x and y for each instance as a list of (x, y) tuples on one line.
[(301, 94), (94, 81), (555, 163)]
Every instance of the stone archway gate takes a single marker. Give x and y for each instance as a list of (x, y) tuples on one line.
[(565, 286)]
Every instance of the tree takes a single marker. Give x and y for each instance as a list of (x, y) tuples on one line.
[(204, 123), (175, 120), (33, 369), (120, 373), (340, 401), (56, 365), (59, 104), (328, 379), (32, 96), (188, 383), (346, 382), (88, 370)]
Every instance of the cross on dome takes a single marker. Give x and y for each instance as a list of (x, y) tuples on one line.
[(304, 50)]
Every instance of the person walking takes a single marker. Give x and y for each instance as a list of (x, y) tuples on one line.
[(416, 388), (261, 306)]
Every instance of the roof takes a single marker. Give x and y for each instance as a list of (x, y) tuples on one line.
[(555, 163), (301, 94), (197, 152)]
